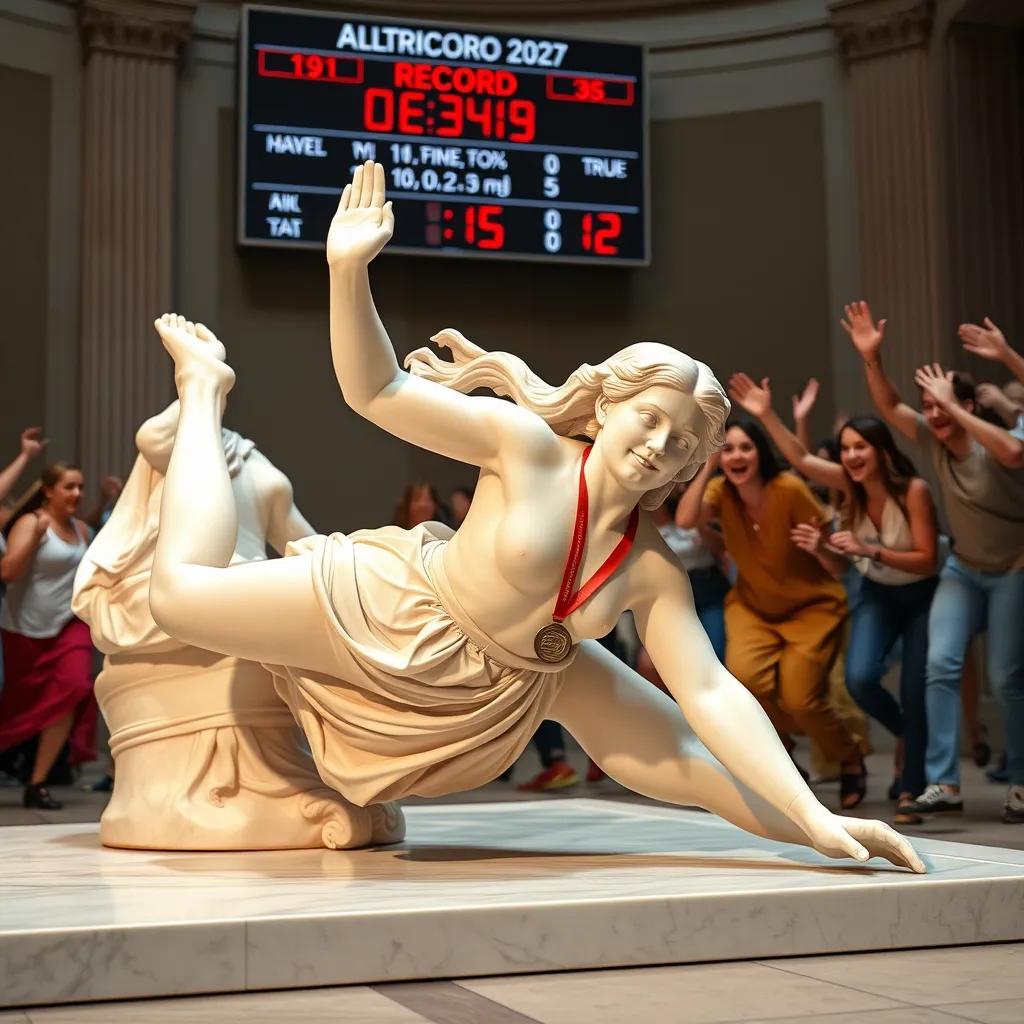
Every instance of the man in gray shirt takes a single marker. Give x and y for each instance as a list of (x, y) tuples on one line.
[(980, 470)]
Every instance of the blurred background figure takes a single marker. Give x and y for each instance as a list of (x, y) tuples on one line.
[(420, 503), (459, 501), (47, 651)]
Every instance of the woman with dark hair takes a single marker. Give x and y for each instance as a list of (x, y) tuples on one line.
[(420, 503), (47, 651), (891, 538), (784, 617)]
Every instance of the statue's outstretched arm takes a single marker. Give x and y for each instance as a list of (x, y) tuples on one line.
[(733, 726), (422, 412)]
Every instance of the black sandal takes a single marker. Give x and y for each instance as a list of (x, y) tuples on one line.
[(37, 796), (853, 784)]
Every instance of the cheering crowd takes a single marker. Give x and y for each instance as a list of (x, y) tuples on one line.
[(811, 581)]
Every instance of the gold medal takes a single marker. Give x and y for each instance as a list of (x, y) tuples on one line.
[(553, 643)]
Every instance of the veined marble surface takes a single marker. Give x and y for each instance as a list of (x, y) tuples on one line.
[(475, 889)]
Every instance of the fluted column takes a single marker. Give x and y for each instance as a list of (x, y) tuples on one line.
[(131, 50), (893, 111)]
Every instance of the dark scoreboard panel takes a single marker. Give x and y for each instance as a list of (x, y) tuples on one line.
[(495, 144)]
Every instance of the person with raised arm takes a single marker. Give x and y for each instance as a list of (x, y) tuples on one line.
[(989, 342), (890, 535), (47, 653), (982, 485), (31, 445), (421, 661), (784, 617)]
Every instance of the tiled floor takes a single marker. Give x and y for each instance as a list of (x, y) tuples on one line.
[(983, 983), (914, 987)]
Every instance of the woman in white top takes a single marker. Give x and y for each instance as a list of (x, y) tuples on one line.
[(892, 540), (47, 651)]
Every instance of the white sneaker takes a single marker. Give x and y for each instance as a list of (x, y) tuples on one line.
[(935, 800), (1013, 809)]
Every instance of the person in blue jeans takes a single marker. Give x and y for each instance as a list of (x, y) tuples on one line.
[(891, 538), (980, 470)]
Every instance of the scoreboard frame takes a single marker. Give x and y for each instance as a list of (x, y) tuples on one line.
[(244, 241)]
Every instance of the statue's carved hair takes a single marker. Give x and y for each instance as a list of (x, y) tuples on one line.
[(570, 410)]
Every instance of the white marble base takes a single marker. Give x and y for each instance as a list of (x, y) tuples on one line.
[(475, 889)]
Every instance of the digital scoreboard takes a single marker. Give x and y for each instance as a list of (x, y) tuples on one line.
[(495, 144)]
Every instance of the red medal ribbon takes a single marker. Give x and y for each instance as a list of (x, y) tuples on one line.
[(566, 603)]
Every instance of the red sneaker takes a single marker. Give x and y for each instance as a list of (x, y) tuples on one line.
[(558, 776), (594, 772)]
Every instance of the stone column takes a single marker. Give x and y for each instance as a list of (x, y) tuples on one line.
[(131, 50), (893, 113)]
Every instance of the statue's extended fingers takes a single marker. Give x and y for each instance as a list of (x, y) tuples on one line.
[(366, 183), (377, 199), (357, 188)]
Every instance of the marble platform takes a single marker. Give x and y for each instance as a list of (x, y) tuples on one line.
[(477, 889)]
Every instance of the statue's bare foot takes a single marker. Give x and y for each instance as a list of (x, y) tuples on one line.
[(196, 351)]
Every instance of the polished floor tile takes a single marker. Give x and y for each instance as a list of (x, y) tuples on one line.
[(1001, 1011), (355, 1005), (926, 977), (699, 994), (904, 1015)]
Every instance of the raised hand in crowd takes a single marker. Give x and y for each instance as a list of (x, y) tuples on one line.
[(938, 385), (864, 332), (804, 403), (753, 398), (31, 445), (989, 342)]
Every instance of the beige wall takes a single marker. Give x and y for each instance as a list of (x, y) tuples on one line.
[(39, 62), (24, 178)]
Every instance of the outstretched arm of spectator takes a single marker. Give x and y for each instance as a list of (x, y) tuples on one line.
[(867, 336), (1004, 447), (988, 342), (31, 445)]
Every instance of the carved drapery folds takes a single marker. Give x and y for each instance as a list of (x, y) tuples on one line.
[(893, 112), (131, 49)]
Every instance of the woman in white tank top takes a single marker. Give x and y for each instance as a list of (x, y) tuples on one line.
[(891, 538), (47, 651)]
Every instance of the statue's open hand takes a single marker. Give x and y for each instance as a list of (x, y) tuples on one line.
[(363, 222), (835, 835), (196, 351)]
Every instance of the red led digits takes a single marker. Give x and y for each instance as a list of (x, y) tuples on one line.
[(478, 227), (616, 92), (309, 67), (450, 115), (598, 232)]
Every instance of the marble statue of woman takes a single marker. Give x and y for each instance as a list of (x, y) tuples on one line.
[(207, 755), (421, 661)]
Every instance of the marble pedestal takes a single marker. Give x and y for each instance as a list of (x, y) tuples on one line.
[(475, 889)]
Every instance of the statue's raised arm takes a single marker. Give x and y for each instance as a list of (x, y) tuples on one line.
[(468, 429)]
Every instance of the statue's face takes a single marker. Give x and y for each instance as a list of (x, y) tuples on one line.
[(647, 440)]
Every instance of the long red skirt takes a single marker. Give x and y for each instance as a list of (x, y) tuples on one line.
[(45, 679)]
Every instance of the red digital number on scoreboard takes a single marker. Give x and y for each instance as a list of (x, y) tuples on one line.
[(448, 115), (598, 232), (309, 67), (462, 224), (616, 92)]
